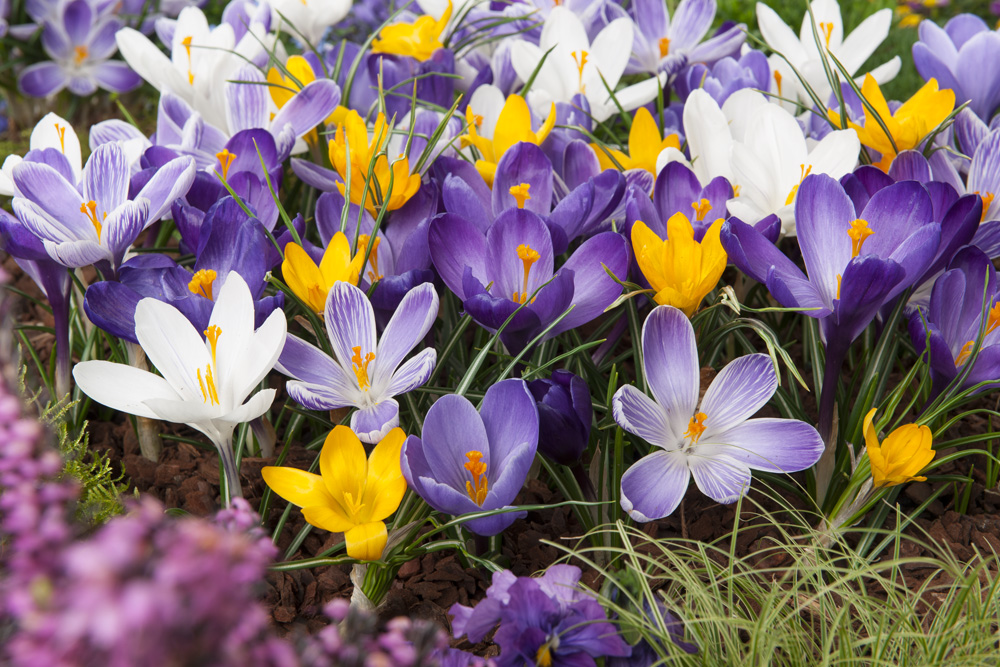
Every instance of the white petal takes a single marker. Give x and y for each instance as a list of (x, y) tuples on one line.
[(122, 387)]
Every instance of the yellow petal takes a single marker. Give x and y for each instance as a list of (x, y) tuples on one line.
[(303, 277), (279, 87), (328, 517), (343, 465), (605, 160), (513, 125), (367, 541), (385, 485), (336, 264), (871, 438), (648, 249), (297, 486), (550, 122), (300, 68), (644, 140), (487, 170)]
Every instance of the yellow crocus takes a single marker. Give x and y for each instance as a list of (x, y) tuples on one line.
[(283, 88), (351, 495), (680, 269), (418, 40), (905, 452), (644, 145), (913, 121), (513, 125), (312, 283), (354, 132)]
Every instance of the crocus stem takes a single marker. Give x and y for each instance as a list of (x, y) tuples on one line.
[(583, 479), (150, 444), (60, 317), (835, 355), (231, 476)]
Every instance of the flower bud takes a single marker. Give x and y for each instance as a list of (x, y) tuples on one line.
[(564, 416)]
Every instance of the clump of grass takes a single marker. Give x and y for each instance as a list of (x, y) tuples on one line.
[(803, 598)]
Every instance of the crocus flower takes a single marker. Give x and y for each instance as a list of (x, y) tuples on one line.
[(352, 494), (645, 143), (897, 459), (713, 440), (681, 269), (203, 381), (418, 40), (309, 18), (564, 416), (677, 190), (726, 76), (364, 373), (494, 125), (312, 283), (98, 222), (51, 135), (467, 461), (908, 126), (354, 133), (803, 53), (515, 258), (957, 57), (80, 42)]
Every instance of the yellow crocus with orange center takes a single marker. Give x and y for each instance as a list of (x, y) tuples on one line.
[(681, 270), (354, 133), (645, 143), (312, 283), (513, 125), (897, 459), (352, 494), (911, 123), (284, 88), (418, 40)]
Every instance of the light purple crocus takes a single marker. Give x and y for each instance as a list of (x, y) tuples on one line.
[(97, 222), (364, 372), (713, 440), (79, 40), (467, 461), (665, 44), (963, 56), (726, 76)]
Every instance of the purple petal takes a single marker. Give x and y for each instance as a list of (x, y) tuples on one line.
[(373, 423), (512, 230), (350, 322), (170, 181), (309, 107), (452, 428), (774, 445), (246, 103), (640, 415), (52, 194), (106, 178), (523, 163), (823, 214), (408, 326), (670, 362), (742, 388), (510, 418), (593, 289), (462, 200), (455, 244), (123, 226), (722, 478), (117, 76), (655, 485), (42, 79), (692, 19), (412, 374)]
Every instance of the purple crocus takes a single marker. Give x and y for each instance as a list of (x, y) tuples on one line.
[(963, 56), (496, 273), (564, 416), (677, 190), (713, 440), (543, 621), (954, 319), (726, 76), (364, 372), (467, 461), (79, 40), (97, 223)]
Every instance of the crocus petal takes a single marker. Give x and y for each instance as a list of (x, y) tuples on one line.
[(121, 387), (774, 445), (593, 289), (453, 427), (367, 541), (106, 178), (343, 464), (385, 485), (298, 487), (655, 485), (510, 418), (454, 245), (173, 346), (409, 324), (328, 517), (722, 478), (670, 362), (413, 373), (640, 415), (350, 321), (372, 423), (739, 391)]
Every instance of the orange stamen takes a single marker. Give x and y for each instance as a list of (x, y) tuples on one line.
[(361, 367), (701, 209), (479, 485), (225, 159), (520, 193), (528, 256), (696, 427), (201, 283), (858, 232)]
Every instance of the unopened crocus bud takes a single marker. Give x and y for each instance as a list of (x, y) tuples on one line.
[(904, 452), (564, 416)]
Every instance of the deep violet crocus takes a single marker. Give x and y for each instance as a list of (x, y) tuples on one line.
[(547, 621), (467, 461), (713, 440), (364, 372), (97, 223), (564, 416), (954, 319), (856, 260), (496, 272)]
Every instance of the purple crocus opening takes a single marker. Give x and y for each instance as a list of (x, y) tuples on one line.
[(468, 461)]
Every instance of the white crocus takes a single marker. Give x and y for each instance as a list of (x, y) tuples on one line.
[(310, 18), (803, 53), (51, 131), (575, 65), (774, 158), (201, 60), (206, 376)]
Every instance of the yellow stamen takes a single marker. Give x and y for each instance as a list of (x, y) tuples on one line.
[(209, 392), (80, 54), (701, 209), (225, 159), (201, 283), (696, 427), (479, 485), (361, 367), (212, 336), (61, 130), (804, 171), (581, 59), (352, 506), (664, 46), (992, 323), (964, 353), (777, 81), (528, 256), (373, 272), (736, 191), (827, 30), (987, 200), (543, 658), (89, 209), (520, 193), (839, 279), (187, 47), (858, 232)]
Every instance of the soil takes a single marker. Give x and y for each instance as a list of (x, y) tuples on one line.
[(187, 477)]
